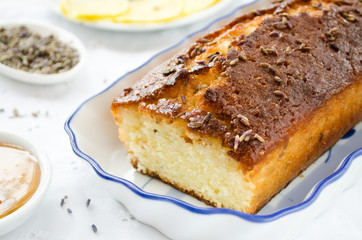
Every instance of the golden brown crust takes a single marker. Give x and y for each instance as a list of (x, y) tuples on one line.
[(266, 82), (313, 137)]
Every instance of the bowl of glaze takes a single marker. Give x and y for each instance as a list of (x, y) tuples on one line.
[(44, 30), (19, 216)]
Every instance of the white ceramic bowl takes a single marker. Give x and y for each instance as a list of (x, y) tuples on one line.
[(45, 29), (15, 219)]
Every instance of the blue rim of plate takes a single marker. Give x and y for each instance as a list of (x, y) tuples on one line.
[(187, 206)]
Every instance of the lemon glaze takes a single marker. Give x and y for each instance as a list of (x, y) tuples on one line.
[(19, 177)]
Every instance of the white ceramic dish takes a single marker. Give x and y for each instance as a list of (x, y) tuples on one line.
[(180, 216), (45, 29), (207, 13), (15, 219)]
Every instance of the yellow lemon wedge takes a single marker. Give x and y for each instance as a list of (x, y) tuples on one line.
[(192, 6), (91, 10), (150, 11), (132, 11)]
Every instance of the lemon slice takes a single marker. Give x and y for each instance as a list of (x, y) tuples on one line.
[(91, 10), (192, 6), (148, 11)]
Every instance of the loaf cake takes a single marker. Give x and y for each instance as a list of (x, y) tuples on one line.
[(236, 116)]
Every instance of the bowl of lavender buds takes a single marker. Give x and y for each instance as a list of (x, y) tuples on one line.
[(39, 53)]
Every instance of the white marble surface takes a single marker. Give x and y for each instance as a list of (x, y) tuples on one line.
[(44, 109)]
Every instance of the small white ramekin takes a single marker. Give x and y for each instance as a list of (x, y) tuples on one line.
[(15, 219)]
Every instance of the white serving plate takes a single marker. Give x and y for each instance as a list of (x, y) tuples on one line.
[(93, 136), (193, 18), (45, 29)]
